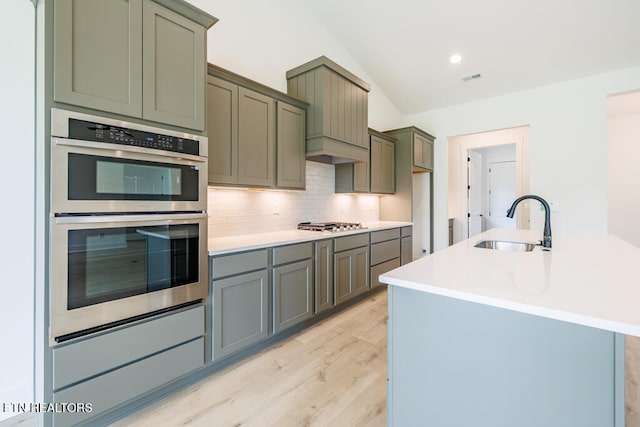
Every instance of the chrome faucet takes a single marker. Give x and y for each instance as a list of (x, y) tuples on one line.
[(546, 242)]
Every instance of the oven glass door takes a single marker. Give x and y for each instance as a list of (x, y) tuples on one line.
[(92, 177), (110, 269), (106, 264)]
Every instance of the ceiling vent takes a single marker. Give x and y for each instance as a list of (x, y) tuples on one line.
[(473, 77)]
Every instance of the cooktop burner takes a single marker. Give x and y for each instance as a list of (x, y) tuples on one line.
[(330, 226)]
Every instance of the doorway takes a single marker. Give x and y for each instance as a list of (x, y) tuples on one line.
[(502, 159)]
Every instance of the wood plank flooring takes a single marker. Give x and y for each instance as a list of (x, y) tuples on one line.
[(331, 374)]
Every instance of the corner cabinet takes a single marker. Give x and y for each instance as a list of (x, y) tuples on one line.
[(134, 58), (256, 133)]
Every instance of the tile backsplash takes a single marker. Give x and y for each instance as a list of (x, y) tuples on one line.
[(248, 211)]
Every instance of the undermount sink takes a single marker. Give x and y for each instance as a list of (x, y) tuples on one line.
[(502, 245)]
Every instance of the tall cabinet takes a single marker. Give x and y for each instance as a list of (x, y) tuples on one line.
[(413, 155), (135, 58)]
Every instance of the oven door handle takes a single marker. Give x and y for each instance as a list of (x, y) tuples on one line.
[(117, 218), (128, 148)]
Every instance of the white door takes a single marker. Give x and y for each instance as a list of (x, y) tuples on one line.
[(474, 187), (502, 193)]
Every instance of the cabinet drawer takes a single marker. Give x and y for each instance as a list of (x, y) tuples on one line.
[(350, 242), (93, 356), (227, 265), (379, 269), (116, 387), (385, 251), (382, 235), (290, 253), (406, 231)]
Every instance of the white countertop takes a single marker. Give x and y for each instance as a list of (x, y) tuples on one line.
[(243, 242), (591, 280)]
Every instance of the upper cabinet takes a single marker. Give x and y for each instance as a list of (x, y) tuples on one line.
[(135, 58), (374, 176), (256, 133), (337, 117), (382, 163), (422, 152)]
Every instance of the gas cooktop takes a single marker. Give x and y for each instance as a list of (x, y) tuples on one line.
[(330, 226)]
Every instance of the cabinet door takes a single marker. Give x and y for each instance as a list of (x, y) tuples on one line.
[(256, 138), (361, 177), (291, 146), (174, 65), (292, 294), (351, 273), (427, 154), (222, 130), (376, 165), (418, 149), (323, 275), (406, 250), (97, 49), (388, 162), (240, 312)]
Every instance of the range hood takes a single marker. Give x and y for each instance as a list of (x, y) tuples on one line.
[(337, 116), (325, 149)]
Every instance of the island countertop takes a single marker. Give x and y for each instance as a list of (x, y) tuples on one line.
[(587, 279)]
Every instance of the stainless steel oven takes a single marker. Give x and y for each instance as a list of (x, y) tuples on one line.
[(128, 223), (101, 165)]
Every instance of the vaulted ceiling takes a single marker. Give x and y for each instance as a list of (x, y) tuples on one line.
[(405, 45)]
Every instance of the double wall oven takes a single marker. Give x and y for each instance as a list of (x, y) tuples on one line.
[(128, 223)]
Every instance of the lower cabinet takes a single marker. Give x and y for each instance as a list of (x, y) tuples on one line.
[(115, 367), (385, 253), (323, 275), (292, 285), (239, 301), (351, 266), (406, 245)]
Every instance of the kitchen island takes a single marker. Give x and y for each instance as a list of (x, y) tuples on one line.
[(498, 338)]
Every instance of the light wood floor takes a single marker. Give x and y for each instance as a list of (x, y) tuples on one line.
[(332, 374)]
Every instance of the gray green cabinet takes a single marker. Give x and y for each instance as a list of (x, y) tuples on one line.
[(117, 366), (351, 266), (337, 116), (406, 250), (352, 177), (292, 285), (383, 177), (323, 275), (133, 57), (256, 134), (385, 253), (256, 139), (377, 175), (290, 146), (239, 301), (422, 152), (413, 155)]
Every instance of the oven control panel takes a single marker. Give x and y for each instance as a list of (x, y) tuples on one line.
[(90, 131)]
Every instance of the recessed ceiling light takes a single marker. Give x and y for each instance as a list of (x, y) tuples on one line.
[(455, 59)]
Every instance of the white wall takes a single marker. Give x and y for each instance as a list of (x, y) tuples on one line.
[(17, 171), (623, 135), (567, 145), (233, 211), (261, 40)]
